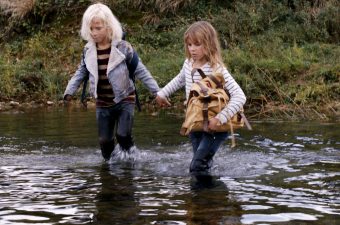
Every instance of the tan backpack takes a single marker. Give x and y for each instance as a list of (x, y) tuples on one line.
[(207, 98)]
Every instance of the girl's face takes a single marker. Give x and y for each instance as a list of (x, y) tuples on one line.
[(197, 52), (99, 32)]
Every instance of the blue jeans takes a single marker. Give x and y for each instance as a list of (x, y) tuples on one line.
[(118, 120), (204, 145)]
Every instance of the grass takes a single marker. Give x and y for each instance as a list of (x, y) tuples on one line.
[(286, 61)]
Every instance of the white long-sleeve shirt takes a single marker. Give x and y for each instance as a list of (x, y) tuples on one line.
[(237, 97)]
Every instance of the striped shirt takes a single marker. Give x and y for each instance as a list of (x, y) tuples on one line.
[(184, 79), (104, 88)]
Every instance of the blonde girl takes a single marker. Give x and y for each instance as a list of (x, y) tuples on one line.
[(104, 60), (202, 50)]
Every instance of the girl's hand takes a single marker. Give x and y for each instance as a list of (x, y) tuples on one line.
[(67, 100), (213, 124), (162, 102)]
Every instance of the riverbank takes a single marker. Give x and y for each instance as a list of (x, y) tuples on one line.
[(255, 111)]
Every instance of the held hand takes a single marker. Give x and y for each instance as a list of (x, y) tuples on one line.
[(214, 123), (162, 102)]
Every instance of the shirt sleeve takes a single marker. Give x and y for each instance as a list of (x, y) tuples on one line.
[(143, 74), (175, 84), (237, 98), (78, 77)]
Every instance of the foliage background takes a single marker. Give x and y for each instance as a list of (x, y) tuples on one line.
[(284, 54)]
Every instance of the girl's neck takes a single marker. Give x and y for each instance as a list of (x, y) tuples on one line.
[(103, 45), (199, 63)]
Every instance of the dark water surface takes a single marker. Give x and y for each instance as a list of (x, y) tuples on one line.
[(52, 172)]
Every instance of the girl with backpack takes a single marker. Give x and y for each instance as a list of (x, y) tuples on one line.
[(105, 61), (202, 51)]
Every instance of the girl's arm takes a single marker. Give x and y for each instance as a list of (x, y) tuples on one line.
[(237, 98), (77, 78), (143, 74), (175, 84)]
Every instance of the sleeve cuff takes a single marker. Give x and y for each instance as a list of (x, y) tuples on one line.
[(161, 94), (221, 118)]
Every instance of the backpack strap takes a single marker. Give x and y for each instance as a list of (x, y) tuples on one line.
[(205, 102), (83, 92), (206, 99), (217, 82), (205, 114), (86, 79), (194, 70), (132, 66)]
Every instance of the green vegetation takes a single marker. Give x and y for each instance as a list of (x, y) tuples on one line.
[(284, 54)]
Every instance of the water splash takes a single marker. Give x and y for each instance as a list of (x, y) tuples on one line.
[(121, 155)]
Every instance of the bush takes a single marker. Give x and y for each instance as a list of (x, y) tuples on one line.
[(281, 51)]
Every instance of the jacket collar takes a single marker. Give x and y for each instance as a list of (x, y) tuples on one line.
[(116, 57)]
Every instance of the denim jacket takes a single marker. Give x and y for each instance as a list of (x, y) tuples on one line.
[(117, 71)]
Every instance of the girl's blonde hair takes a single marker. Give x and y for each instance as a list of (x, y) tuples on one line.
[(101, 11), (204, 33)]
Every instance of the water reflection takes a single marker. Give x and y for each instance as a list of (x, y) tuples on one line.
[(275, 218), (115, 201), (51, 172), (41, 194), (211, 203)]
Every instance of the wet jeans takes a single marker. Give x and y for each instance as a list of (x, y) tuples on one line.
[(118, 120), (205, 145)]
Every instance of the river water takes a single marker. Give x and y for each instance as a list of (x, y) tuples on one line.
[(52, 172)]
